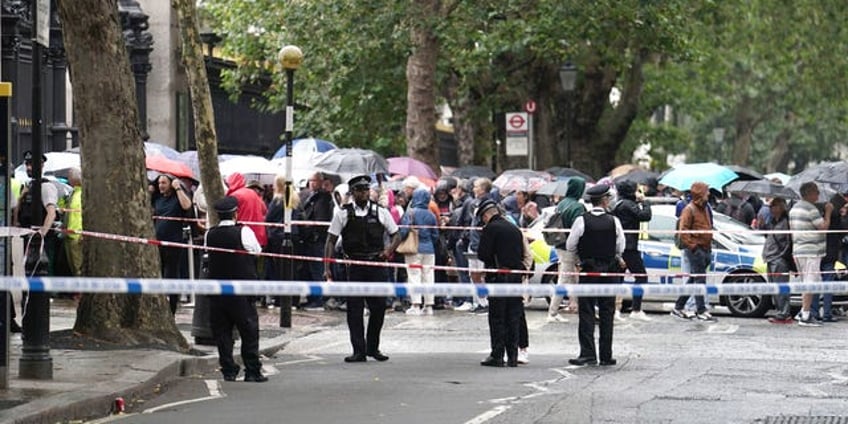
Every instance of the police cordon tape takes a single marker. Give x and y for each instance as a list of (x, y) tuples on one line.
[(371, 289), (383, 264)]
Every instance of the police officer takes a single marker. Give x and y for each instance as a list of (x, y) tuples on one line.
[(239, 311), (362, 226), (501, 246), (598, 240)]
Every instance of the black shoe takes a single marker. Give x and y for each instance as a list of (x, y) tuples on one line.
[(256, 378), (15, 328), (608, 363), (378, 356), (583, 361), (512, 363), (230, 377), (492, 362), (356, 357)]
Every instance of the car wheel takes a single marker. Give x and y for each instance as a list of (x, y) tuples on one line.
[(747, 306)]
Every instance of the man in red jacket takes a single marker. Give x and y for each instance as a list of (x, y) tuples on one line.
[(250, 206)]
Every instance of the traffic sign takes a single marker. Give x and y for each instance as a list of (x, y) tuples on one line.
[(516, 122), (530, 106)]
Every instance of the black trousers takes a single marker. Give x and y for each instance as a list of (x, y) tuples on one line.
[(361, 342), (586, 326), (173, 261), (505, 315), (239, 311), (633, 259)]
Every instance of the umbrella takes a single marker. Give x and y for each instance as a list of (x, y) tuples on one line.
[(168, 166), (554, 188), (745, 173), (406, 166), (521, 180), (58, 163), (831, 172), (473, 171), (252, 168), (623, 169), (779, 175), (639, 176), (348, 163), (561, 171), (156, 149), (681, 177), (763, 188), (189, 157), (306, 145)]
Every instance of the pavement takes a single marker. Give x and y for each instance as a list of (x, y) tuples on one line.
[(86, 383)]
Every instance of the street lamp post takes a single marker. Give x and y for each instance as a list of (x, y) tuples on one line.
[(718, 137), (291, 58), (568, 80)]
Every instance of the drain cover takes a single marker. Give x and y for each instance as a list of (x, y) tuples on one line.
[(790, 419)]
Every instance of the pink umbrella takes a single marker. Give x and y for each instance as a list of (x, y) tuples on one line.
[(407, 166)]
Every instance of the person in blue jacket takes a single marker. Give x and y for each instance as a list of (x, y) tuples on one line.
[(419, 216)]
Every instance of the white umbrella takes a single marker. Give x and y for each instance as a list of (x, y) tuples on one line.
[(58, 163), (252, 168)]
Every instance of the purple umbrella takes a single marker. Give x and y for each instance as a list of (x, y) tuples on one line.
[(407, 166)]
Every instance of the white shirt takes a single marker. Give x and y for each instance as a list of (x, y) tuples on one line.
[(248, 238), (340, 218), (579, 226)]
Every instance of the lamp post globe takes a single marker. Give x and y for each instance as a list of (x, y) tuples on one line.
[(568, 76), (290, 57)]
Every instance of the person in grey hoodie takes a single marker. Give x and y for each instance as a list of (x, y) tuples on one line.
[(777, 253), (418, 215)]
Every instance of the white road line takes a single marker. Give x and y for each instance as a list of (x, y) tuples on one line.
[(215, 392), (488, 415), (309, 358)]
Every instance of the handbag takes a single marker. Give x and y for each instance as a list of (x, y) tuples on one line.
[(409, 245)]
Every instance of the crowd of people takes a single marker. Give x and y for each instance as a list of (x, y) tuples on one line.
[(469, 226)]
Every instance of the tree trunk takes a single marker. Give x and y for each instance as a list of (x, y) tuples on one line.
[(549, 132), (421, 92), (201, 104), (779, 157), (462, 107), (745, 124), (115, 181)]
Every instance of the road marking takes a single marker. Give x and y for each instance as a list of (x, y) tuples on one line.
[(215, 392), (723, 329), (309, 358), (488, 415)]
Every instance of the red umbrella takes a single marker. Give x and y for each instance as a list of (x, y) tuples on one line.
[(168, 166), (407, 166)]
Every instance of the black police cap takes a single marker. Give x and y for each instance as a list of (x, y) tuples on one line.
[(28, 157), (226, 205), (597, 191), (359, 181)]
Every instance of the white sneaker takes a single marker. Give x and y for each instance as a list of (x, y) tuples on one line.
[(428, 310), (618, 317), (523, 356), (464, 307), (556, 318), (413, 310), (640, 316)]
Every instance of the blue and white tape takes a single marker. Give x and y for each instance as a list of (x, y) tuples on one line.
[(303, 288)]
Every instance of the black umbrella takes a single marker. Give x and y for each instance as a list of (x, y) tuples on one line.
[(562, 171), (639, 176), (763, 188), (473, 171), (745, 173)]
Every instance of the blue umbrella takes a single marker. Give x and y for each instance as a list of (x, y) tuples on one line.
[(306, 145), (681, 177)]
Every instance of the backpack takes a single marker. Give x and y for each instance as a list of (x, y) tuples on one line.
[(557, 237)]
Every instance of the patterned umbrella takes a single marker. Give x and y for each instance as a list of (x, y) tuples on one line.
[(252, 168), (521, 180), (473, 171), (168, 166), (157, 149)]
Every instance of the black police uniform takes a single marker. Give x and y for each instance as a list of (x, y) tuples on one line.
[(596, 250), (502, 247), (228, 311), (362, 239)]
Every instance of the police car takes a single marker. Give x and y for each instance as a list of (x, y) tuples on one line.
[(736, 259)]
